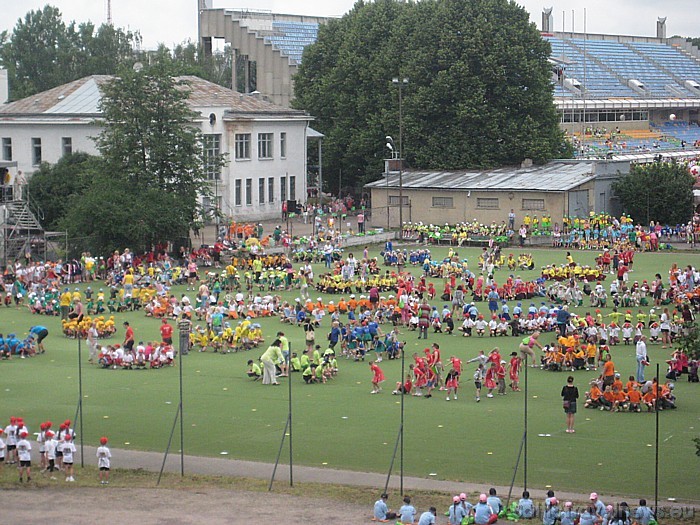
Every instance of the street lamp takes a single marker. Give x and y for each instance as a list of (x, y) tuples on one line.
[(400, 83)]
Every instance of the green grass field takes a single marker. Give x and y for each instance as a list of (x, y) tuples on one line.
[(341, 426)]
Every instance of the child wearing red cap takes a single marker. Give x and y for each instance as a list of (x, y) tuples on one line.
[(11, 433), (24, 449), (68, 449), (103, 461), (50, 446)]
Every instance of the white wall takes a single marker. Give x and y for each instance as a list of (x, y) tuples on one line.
[(51, 141), (293, 165)]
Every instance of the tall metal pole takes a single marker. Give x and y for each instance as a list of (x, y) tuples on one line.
[(401, 160), (291, 461), (525, 431), (80, 401), (320, 172), (656, 458), (400, 82), (403, 395), (182, 426)]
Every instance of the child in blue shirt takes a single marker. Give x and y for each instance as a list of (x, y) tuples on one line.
[(526, 508), (407, 512), (643, 514)]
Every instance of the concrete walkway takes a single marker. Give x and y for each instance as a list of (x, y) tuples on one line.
[(152, 461)]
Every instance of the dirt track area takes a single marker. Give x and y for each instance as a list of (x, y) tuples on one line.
[(107, 505)]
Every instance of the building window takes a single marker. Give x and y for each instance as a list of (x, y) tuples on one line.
[(264, 145), (394, 200), (271, 189), (6, 148), (66, 146), (237, 198), (212, 151), (292, 188), (487, 204), (261, 191), (242, 146), (533, 204), (443, 202), (283, 188), (36, 151), (283, 144), (248, 192)]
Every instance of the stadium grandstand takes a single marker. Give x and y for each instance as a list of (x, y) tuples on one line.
[(267, 46), (616, 94)]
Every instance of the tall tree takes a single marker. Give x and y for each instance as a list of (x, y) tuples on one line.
[(149, 186), (52, 186), (43, 51), (479, 92), (660, 191)]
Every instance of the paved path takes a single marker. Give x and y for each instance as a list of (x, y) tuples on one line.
[(152, 461)]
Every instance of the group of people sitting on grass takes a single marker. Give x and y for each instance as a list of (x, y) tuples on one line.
[(315, 365), (489, 509), (144, 355)]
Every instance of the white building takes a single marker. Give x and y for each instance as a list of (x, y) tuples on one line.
[(265, 143)]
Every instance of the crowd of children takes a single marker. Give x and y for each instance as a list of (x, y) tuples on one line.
[(149, 355), (56, 449)]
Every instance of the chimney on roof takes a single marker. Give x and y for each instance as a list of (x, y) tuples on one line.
[(4, 87), (526, 163), (661, 27), (547, 20)]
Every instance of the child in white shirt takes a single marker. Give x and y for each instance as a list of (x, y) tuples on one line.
[(103, 461)]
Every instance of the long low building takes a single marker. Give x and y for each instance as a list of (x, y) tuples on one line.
[(557, 189)]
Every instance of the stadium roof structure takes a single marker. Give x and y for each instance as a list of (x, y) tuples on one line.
[(552, 177)]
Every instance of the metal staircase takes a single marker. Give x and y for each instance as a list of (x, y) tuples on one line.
[(20, 229)]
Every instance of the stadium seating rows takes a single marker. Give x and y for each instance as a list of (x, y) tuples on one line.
[(292, 37), (605, 66)]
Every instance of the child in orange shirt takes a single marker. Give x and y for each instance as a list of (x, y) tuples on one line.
[(635, 399), (619, 400), (650, 399), (593, 396), (607, 400)]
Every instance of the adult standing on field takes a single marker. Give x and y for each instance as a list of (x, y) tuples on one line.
[(642, 360), (569, 394), (272, 355)]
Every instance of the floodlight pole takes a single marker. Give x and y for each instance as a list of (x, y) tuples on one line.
[(403, 395), (80, 401), (400, 83)]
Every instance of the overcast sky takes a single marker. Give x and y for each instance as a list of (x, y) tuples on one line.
[(173, 21)]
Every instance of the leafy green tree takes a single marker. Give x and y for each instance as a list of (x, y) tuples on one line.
[(659, 191), (479, 92), (152, 174), (189, 59), (52, 186), (43, 51)]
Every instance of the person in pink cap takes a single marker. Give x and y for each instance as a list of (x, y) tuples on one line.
[(456, 512), (598, 505), (483, 512)]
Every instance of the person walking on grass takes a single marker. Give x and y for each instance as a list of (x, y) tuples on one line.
[(569, 394)]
